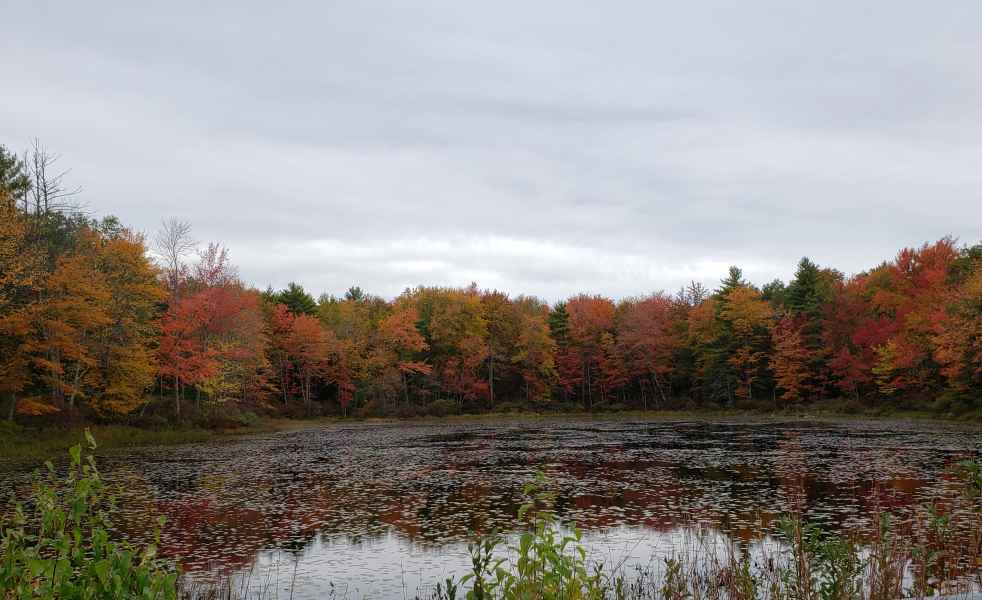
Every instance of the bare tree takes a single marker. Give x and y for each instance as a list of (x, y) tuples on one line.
[(46, 192), (171, 244)]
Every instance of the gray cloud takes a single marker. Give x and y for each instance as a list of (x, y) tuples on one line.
[(544, 147)]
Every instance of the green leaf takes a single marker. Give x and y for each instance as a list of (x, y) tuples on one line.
[(38, 566), (90, 439), (102, 571), (76, 453)]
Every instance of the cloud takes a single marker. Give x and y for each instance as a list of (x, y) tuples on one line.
[(547, 148)]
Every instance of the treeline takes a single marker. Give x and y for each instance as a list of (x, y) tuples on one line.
[(96, 320)]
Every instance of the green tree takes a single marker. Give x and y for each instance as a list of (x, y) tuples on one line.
[(296, 299), (355, 293), (734, 279), (13, 176)]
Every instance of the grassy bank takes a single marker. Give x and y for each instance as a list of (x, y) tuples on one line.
[(34, 444)]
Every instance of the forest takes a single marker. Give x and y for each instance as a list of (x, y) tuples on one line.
[(100, 322)]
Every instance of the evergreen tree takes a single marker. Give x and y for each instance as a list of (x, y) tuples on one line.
[(732, 281), (805, 298), (297, 300), (804, 293), (559, 323), (13, 177), (355, 294)]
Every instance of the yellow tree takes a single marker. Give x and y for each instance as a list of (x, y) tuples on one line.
[(452, 325), (310, 346), (97, 323), (958, 339), (502, 325), (535, 350), (127, 343), (20, 276), (68, 325), (748, 316)]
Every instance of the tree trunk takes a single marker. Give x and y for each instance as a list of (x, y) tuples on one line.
[(75, 383), (491, 378), (285, 384), (306, 394), (589, 390), (661, 392), (13, 406), (177, 396)]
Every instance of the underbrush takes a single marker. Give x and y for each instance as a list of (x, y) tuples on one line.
[(56, 544)]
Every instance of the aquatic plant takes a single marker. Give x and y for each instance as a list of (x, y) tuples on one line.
[(56, 543)]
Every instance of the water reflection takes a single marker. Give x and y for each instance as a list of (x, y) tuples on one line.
[(383, 509)]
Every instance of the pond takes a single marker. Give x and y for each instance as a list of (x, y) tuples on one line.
[(383, 510)]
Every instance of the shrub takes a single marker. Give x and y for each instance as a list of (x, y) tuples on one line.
[(57, 544), (245, 418), (548, 561), (441, 407)]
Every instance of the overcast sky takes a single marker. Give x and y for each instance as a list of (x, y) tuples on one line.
[(535, 147)]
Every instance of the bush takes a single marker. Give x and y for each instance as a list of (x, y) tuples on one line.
[(246, 418), (441, 407), (57, 545)]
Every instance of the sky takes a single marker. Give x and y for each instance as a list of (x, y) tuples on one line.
[(545, 148)]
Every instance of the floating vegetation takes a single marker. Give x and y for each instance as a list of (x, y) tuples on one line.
[(374, 510)]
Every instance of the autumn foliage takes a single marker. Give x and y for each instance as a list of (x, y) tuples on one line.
[(96, 322)]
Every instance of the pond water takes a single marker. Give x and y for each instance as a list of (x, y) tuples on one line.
[(384, 510)]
